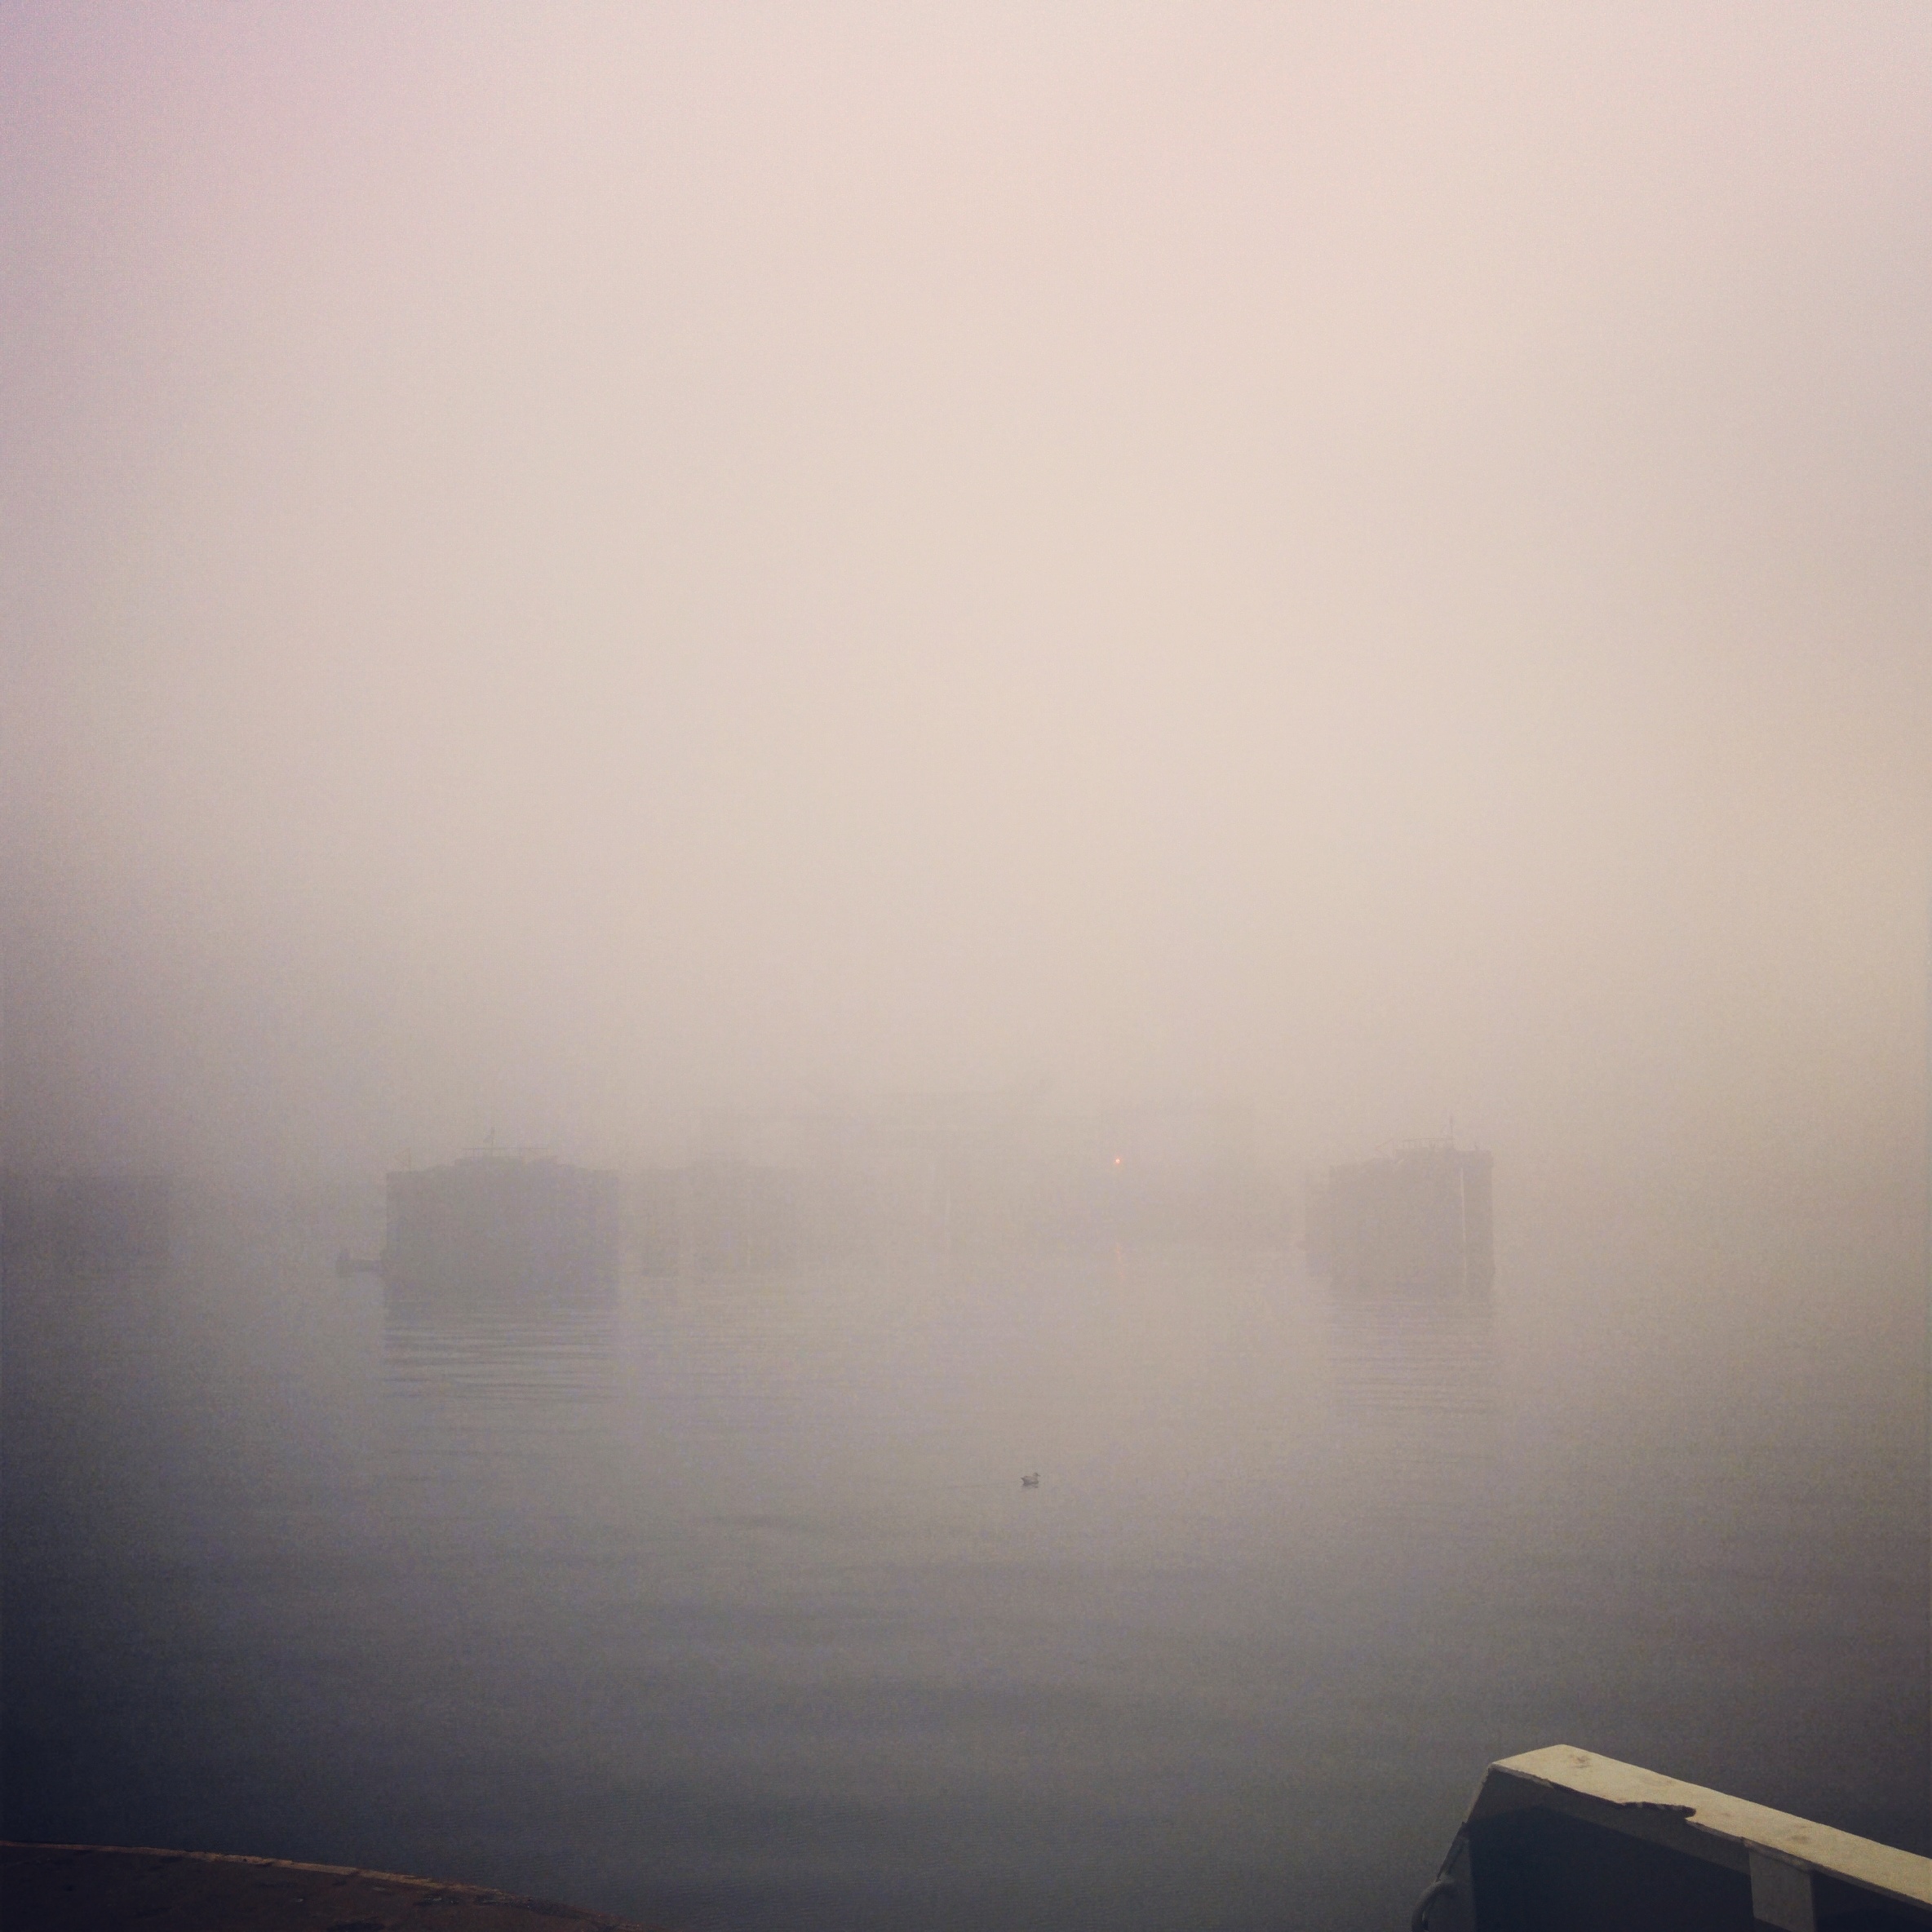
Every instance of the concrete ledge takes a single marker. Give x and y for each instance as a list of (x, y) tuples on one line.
[(1563, 1838)]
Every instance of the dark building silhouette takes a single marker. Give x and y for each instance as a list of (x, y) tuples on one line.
[(96, 1223), (495, 1224), (975, 1171), (740, 1216), (657, 1219), (1417, 1218)]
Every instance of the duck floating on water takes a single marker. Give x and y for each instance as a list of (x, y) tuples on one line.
[(1031, 1482)]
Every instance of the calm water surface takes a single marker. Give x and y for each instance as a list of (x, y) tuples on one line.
[(723, 1606)]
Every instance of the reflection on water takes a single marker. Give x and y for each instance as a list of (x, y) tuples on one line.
[(720, 1602), (1411, 1361), (1414, 1381), (519, 1357)]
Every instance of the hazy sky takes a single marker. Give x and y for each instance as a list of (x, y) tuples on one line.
[(563, 565)]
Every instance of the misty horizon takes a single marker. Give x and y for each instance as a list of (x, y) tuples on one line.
[(562, 576)]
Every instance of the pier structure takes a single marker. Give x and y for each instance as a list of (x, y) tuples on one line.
[(1419, 1217), (493, 1224)]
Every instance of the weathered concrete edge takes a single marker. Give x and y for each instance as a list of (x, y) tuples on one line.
[(480, 1894), (1669, 1810)]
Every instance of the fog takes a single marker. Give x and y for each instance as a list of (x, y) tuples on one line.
[(568, 572), (567, 567)]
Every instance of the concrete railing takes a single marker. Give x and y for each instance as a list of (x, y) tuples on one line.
[(1562, 1841)]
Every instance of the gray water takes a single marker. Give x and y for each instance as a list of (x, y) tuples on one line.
[(724, 1606)]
